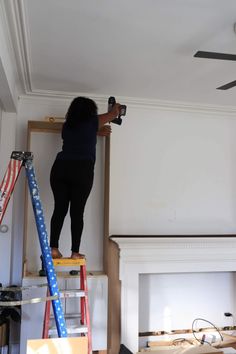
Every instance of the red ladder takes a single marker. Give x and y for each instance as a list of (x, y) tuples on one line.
[(17, 160), (82, 293), (9, 180)]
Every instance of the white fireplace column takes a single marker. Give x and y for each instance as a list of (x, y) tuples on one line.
[(165, 254)]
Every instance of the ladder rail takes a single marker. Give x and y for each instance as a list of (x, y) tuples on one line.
[(45, 248), (85, 305), (46, 318), (9, 180), (84, 329)]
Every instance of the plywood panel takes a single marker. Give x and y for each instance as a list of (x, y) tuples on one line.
[(58, 345)]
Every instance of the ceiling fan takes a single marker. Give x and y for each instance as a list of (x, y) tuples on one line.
[(221, 56)]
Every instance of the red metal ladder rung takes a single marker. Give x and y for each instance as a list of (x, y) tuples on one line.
[(84, 307)]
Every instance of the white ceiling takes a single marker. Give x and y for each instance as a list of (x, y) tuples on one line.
[(133, 48)]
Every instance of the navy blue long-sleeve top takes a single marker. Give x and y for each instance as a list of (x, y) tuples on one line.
[(79, 143)]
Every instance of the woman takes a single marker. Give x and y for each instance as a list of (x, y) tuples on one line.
[(72, 173)]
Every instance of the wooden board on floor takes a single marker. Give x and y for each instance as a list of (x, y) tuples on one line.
[(201, 349), (228, 341), (58, 346)]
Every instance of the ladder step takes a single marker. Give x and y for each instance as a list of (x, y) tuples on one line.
[(69, 316), (67, 262), (72, 293), (70, 330)]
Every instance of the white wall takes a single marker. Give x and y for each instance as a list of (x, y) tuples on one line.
[(173, 173), (27, 110)]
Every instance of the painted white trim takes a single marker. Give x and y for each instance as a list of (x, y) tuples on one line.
[(7, 100), (223, 111), (8, 60), (19, 36), (156, 255)]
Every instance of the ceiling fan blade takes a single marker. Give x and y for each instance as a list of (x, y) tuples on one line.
[(214, 55), (227, 86)]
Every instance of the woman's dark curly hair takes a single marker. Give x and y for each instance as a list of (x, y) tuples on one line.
[(81, 109)]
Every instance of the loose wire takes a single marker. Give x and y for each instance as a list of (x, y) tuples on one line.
[(212, 324)]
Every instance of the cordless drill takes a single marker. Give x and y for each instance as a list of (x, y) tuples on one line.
[(111, 103)]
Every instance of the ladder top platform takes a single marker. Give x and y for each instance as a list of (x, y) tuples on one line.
[(67, 262)]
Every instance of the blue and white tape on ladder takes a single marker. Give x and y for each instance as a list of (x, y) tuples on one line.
[(45, 249)]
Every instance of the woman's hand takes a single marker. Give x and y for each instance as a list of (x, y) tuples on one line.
[(115, 111), (109, 116), (105, 130)]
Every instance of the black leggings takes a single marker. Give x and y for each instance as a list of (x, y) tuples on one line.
[(71, 182)]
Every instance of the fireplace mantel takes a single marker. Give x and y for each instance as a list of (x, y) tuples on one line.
[(165, 254)]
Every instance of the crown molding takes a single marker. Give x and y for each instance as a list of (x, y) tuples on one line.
[(20, 33), (17, 22), (10, 80), (135, 102)]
